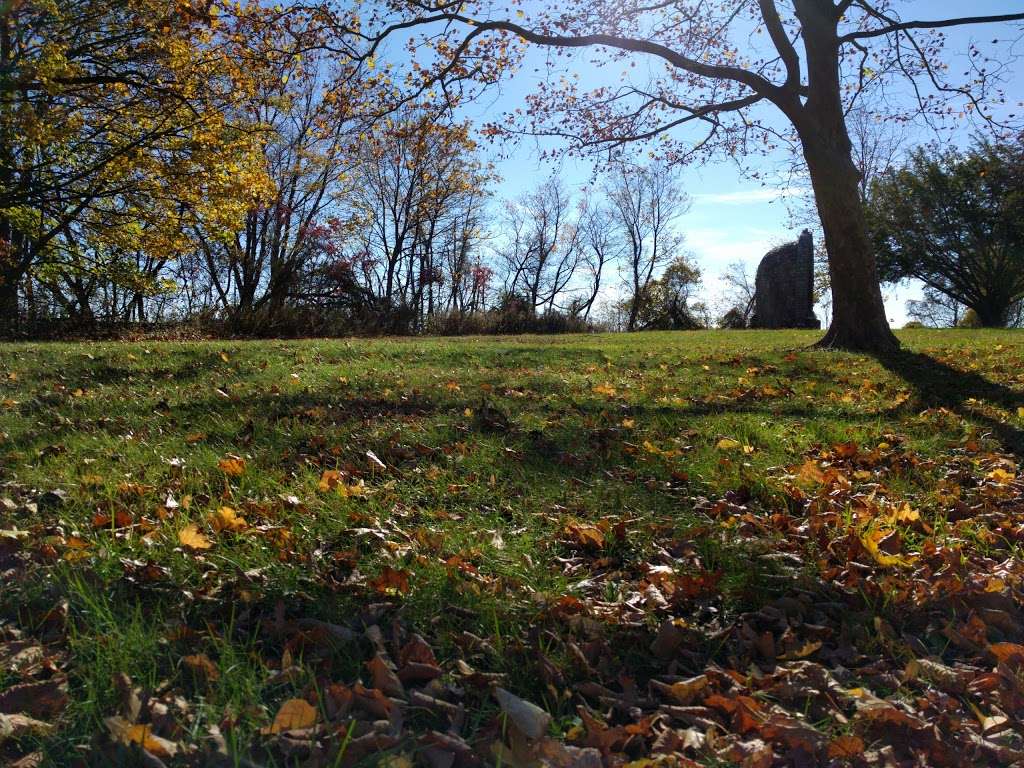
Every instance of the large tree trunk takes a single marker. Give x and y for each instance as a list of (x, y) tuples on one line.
[(858, 312), (993, 313), (8, 301)]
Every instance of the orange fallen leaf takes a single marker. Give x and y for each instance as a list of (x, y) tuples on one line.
[(391, 581), (329, 479), (201, 666), (1005, 652), (846, 747), (232, 466)]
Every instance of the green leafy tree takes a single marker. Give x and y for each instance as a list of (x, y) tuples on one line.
[(955, 221), (665, 303)]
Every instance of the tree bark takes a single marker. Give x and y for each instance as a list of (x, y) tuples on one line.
[(858, 312), (8, 301), (993, 314)]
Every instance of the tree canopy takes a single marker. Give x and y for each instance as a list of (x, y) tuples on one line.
[(955, 221)]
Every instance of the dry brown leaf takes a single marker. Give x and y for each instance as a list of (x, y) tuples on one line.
[(201, 666), (20, 726), (846, 748), (384, 677), (45, 699), (294, 714), (528, 718)]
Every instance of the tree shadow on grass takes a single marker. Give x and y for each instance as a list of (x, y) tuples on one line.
[(942, 386)]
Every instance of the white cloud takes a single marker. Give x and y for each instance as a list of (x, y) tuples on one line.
[(723, 246), (748, 196)]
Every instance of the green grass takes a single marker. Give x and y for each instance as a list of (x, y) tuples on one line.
[(492, 445)]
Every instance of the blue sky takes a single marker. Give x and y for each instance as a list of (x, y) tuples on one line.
[(734, 217)]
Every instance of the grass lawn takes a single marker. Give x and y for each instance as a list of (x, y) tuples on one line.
[(717, 547)]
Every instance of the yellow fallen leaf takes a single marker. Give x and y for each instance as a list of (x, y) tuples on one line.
[(905, 513), (995, 585), (628, 423), (191, 537), (1000, 476), (224, 357), (808, 649), (604, 389), (227, 519), (294, 714), (810, 472), (351, 491), (728, 444), (685, 691), (870, 541)]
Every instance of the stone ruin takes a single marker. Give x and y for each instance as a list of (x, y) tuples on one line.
[(784, 288)]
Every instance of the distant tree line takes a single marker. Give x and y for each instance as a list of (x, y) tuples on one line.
[(255, 172)]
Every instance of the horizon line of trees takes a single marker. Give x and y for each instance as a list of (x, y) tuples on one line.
[(258, 173)]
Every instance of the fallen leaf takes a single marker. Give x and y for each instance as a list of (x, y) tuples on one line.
[(391, 581), (227, 519), (528, 718), (191, 537), (45, 699), (127, 733), (294, 714), (232, 466), (846, 748), (201, 666)]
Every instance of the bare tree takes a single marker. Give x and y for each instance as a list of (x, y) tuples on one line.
[(602, 248), (738, 293), (647, 202), (543, 250)]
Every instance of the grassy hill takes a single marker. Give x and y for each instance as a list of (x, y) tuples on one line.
[(721, 546)]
